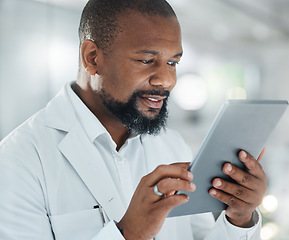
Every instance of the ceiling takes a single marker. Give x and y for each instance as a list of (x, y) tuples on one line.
[(236, 24), (272, 13)]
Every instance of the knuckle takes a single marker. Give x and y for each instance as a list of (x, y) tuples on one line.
[(164, 184), (239, 192), (160, 169), (231, 202), (144, 179), (246, 179)]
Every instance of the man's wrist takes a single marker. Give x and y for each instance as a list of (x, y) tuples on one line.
[(244, 223)]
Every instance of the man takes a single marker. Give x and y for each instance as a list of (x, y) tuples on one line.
[(97, 162)]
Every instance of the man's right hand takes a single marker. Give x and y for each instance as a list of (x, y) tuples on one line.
[(147, 211)]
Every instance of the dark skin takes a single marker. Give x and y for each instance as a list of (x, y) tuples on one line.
[(143, 57), (245, 196)]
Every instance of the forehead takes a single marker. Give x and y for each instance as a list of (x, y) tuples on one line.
[(144, 31)]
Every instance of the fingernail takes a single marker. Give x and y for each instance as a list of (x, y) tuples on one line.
[(218, 183), (213, 192), (190, 175), (193, 186), (243, 154), (229, 168)]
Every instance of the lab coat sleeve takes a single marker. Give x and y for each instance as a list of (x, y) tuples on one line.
[(226, 231)]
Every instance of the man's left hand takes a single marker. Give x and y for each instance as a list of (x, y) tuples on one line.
[(244, 196)]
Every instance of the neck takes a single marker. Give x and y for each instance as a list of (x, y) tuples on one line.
[(115, 128)]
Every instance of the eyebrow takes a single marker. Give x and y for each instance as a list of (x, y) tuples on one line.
[(151, 52)]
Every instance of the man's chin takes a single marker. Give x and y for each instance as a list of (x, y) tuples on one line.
[(151, 114), (137, 117)]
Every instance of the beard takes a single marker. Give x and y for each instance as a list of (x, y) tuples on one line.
[(132, 118)]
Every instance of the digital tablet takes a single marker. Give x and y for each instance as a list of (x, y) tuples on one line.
[(239, 125)]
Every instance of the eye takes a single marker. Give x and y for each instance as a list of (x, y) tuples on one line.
[(172, 63), (146, 61)]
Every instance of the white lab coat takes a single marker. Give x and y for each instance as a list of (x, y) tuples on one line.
[(51, 177)]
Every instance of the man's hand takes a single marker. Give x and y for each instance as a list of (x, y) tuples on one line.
[(147, 211), (244, 196)]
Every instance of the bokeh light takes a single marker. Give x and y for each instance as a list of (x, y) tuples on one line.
[(191, 92), (269, 204), (269, 230)]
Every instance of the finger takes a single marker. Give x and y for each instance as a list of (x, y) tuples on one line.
[(169, 185), (167, 171), (252, 165), (238, 191), (230, 200), (168, 203), (184, 165), (261, 154), (243, 178), (237, 209)]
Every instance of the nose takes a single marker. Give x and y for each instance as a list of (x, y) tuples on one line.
[(164, 76)]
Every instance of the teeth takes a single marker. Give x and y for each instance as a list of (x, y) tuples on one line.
[(153, 99)]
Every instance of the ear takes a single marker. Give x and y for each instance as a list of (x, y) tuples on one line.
[(89, 53)]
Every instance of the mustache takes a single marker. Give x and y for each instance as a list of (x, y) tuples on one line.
[(156, 92)]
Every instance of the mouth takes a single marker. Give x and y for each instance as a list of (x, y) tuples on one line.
[(153, 101)]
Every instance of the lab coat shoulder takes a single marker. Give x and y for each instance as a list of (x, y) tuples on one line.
[(27, 146), (30, 139), (27, 157), (21, 147)]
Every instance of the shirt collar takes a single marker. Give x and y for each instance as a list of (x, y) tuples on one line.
[(91, 125)]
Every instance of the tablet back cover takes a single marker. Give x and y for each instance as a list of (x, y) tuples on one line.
[(239, 125)]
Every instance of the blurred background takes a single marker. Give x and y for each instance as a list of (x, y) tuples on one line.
[(232, 50)]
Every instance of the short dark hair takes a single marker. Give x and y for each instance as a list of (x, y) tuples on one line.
[(99, 18)]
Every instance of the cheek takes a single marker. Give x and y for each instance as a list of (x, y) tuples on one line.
[(121, 86), (173, 74), (120, 81)]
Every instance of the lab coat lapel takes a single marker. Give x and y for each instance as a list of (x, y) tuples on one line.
[(90, 166), (168, 230), (83, 155)]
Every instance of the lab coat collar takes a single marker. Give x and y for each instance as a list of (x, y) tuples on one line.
[(91, 125), (83, 155), (59, 112)]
